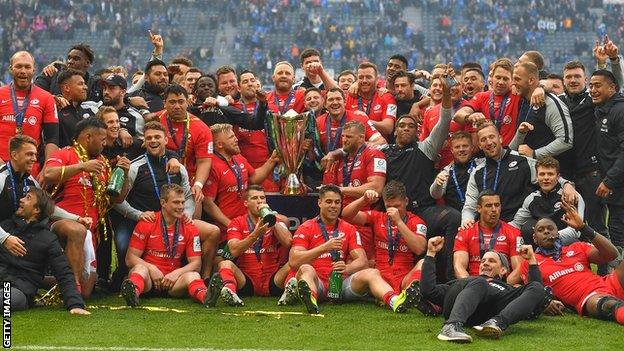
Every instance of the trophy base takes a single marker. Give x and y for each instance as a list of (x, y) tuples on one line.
[(294, 186)]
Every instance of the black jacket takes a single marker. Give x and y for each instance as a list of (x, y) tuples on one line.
[(154, 99), (584, 144), (50, 84), (610, 135), (231, 115), (43, 250), (68, 118)]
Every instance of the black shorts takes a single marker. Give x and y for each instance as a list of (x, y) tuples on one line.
[(248, 288)]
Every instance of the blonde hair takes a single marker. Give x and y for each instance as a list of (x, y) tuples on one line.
[(219, 128), (104, 110)]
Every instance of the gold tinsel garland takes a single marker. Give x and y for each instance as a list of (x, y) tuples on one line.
[(101, 201)]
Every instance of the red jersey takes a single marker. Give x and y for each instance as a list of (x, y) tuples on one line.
[(281, 103), (257, 269), (377, 109), (430, 119), (309, 236), (571, 278), (321, 126), (41, 110), (506, 121), (468, 240), (403, 256), (223, 185), (252, 143), (70, 197), (148, 237), (368, 163), (198, 140)]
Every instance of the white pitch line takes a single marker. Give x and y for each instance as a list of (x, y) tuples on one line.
[(117, 348)]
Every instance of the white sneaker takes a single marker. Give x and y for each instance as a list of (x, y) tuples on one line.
[(289, 297), (231, 298)]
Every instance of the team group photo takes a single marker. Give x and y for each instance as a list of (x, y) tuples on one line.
[(312, 174)]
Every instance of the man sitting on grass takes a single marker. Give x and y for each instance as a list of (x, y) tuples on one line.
[(156, 250), (25, 271)]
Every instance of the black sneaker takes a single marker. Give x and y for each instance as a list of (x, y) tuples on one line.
[(305, 295), (490, 329), (454, 332), (415, 299), (129, 293), (214, 290)]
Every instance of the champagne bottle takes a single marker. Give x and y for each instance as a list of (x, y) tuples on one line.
[(225, 253), (115, 184), (335, 286)]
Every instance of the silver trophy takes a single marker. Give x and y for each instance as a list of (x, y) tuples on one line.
[(288, 133)]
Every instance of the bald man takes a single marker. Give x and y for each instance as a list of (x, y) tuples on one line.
[(284, 97), (27, 109)]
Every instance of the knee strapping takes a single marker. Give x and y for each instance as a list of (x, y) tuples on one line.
[(607, 305)]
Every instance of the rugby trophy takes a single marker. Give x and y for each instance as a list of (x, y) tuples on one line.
[(287, 133)]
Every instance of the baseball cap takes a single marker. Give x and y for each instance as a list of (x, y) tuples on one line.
[(154, 62), (115, 80)]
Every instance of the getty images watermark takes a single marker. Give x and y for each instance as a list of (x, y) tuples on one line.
[(6, 315)]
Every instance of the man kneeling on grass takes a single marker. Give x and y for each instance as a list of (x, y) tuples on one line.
[(324, 244), (155, 255)]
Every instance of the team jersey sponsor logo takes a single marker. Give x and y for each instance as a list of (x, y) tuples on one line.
[(124, 119), (356, 182), (561, 273), (579, 267), (391, 110), (34, 101), (250, 251), (357, 163), (570, 253), (377, 107), (507, 119), (384, 245), (196, 244), (501, 238), (210, 147), (379, 165), (421, 229), (358, 240), (513, 164), (139, 235), (32, 120), (160, 254)]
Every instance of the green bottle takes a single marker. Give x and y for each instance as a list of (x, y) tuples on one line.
[(335, 286), (224, 252), (115, 184)]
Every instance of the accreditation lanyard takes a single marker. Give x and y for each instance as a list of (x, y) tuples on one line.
[(333, 142), (347, 171), (185, 135), (258, 243), (501, 110), (498, 164), (368, 105), (525, 110), (19, 113), (282, 109), (460, 193), (14, 186), (238, 173), (393, 240), (334, 253), (482, 247), (153, 174), (170, 247)]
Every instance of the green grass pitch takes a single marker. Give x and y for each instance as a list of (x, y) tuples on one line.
[(363, 326)]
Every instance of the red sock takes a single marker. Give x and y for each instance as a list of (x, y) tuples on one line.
[(197, 290), (138, 281), (619, 315), (415, 276), (388, 296), (227, 276)]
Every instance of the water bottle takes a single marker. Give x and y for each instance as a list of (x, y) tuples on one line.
[(335, 286)]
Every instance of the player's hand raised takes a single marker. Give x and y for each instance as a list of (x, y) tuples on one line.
[(371, 196), (435, 245)]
